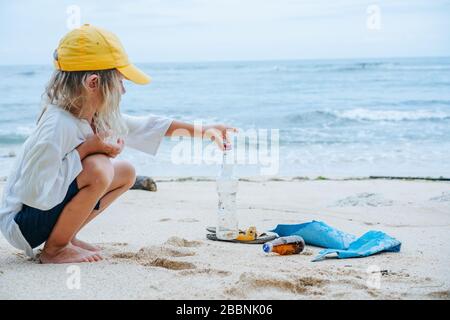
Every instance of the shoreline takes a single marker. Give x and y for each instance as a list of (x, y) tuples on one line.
[(301, 178), (290, 178)]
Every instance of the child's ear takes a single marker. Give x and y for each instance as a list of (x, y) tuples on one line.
[(92, 81)]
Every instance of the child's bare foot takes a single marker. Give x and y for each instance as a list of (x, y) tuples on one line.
[(69, 254), (84, 245)]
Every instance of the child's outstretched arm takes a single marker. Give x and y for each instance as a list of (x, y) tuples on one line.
[(145, 133), (215, 132)]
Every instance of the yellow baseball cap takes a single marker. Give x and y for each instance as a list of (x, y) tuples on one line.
[(91, 48)]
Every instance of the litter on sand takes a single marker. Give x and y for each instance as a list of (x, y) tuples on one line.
[(345, 245)]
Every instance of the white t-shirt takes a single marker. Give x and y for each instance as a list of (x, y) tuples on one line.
[(48, 163)]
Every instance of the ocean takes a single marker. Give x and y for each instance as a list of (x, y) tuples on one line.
[(336, 118)]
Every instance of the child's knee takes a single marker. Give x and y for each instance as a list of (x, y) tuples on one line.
[(99, 170), (129, 173)]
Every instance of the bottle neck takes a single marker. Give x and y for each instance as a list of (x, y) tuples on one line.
[(227, 164)]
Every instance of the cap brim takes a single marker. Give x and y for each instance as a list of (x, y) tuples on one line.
[(132, 73)]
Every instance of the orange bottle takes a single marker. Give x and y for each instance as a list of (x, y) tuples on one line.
[(285, 245)]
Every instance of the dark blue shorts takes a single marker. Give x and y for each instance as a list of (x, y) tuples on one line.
[(36, 225)]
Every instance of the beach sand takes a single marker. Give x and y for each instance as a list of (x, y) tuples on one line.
[(155, 246)]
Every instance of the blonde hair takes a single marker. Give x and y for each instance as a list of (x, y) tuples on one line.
[(66, 90)]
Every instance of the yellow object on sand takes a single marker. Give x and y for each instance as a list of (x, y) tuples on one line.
[(90, 48), (249, 235)]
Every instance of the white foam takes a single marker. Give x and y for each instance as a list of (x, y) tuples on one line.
[(390, 115)]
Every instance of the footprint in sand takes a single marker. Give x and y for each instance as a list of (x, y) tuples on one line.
[(364, 199), (294, 284), (169, 264), (160, 256), (183, 243), (180, 242), (444, 197)]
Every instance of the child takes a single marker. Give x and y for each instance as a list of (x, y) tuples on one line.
[(65, 175)]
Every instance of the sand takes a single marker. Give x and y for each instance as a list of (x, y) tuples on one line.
[(155, 246)]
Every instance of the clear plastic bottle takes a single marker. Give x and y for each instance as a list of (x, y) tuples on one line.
[(285, 245), (227, 186)]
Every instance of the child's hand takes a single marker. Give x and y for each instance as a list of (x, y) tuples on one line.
[(115, 148), (218, 134), (95, 143)]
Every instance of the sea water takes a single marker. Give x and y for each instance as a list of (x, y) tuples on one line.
[(337, 118)]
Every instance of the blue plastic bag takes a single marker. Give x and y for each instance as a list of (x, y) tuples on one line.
[(346, 245), (317, 233)]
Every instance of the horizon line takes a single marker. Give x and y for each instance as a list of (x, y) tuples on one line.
[(253, 60)]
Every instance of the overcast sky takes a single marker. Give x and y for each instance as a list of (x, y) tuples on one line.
[(204, 30)]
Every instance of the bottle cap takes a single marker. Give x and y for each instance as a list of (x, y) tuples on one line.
[(226, 146), (267, 247)]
